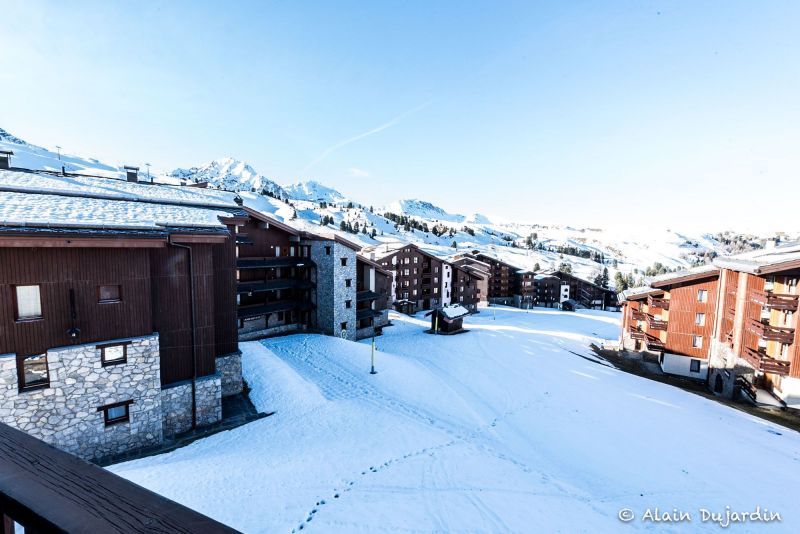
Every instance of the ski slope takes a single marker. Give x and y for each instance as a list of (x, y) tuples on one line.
[(511, 427)]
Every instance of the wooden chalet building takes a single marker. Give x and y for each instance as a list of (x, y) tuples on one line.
[(756, 343), (373, 296), (421, 280), (480, 269), (503, 279), (464, 281), (117, 310), (674, 317), (546, 289), (586, 293)]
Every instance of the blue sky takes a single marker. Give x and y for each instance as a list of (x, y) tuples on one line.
[(539, 111)]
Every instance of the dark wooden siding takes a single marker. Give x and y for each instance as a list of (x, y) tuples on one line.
[(172, 311), (56, 271), (226, 334)]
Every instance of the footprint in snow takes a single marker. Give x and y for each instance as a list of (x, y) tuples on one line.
[(771, 431)]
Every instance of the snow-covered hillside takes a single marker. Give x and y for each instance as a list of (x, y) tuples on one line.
[(314, 192), (525, 244), (514, 426)]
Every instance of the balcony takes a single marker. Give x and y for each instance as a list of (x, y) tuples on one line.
[(250, 288), (652, 342), (775, 301), (367, 296), (638, 315), (730, 314), (771, 333), (759, 360), (655, 302), (248, 312), (274, 262), (656, 324), (44, 489)]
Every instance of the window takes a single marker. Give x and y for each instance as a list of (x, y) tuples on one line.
[(344, 262), (694, 366), (348, 282), (697, 342), (109, 294), (113, 354), (343, 326), (327, 251), (28, 303), (116, 413), (702, 295), (280, 316), (416, 259), (348, 304), (34, 372), (700, 319)]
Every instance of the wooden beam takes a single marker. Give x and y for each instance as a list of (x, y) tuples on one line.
[(48, 490), (81, 242), (199, 238)]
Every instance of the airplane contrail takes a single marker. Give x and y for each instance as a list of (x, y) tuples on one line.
[(333, 148)]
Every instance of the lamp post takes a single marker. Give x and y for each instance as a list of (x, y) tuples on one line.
[(372, 359)]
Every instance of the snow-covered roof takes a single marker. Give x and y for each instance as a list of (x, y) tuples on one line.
[(64, 211), (111, 188), (694, 273), (542, 276), (634, 292), (762, 260), (454, 311)]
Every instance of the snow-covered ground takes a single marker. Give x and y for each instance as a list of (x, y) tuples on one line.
[(511, 427)]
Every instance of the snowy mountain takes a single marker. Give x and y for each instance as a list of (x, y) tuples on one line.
[(631, 251), (230, 174), (314, 191)]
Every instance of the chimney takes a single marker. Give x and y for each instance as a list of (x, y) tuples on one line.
[(5, 158), (132, 173), (770, 243)]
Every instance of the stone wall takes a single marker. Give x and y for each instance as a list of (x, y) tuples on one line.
[(176, 402), (332, 292), (65, 414), (229, 367)]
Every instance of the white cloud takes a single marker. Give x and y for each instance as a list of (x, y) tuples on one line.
[(355, 171)]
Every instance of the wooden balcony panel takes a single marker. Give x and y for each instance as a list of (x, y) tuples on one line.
[(775, 301), (656, 324), (759, 360), (656, 302), (638, 315), (771, 333)]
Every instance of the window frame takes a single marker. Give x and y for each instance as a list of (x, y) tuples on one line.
[(116, 420), (15, 300), (108, 363), (22, 385), (704, 294), (692, 364), (343, 261), (695, 337), (699, 319), (101, 300)]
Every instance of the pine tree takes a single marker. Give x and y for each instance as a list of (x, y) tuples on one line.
[(454, 245)]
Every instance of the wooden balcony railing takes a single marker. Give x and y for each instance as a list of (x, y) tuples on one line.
[(635, 333), (656, 324), (771, 333), (747, 387), (656, 302), (759, 360), (43, 489), (775, 301), (638, 315), (730, 314)]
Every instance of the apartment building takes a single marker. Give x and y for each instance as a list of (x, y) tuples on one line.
[(422, 281), (674, 316), (756, 345), (117, 310), (373, 297)]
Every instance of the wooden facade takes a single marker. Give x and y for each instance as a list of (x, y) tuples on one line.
[(275, 277), (155, 294), (503, 280), (421, 279), (373, 291)]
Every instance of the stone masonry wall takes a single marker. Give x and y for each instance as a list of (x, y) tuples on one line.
[(229, 367), (176, 402), (332, 292), (65, 414)]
